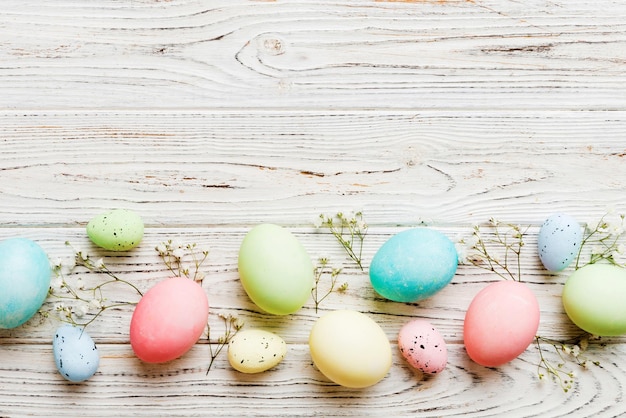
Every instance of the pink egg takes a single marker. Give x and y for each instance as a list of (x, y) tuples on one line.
[(168, 320), (500, 323), (422, 346)]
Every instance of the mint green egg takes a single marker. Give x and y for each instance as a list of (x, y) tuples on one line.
[(275, 270), (116, 230), (594, 298)]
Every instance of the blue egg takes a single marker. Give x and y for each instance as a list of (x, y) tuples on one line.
[(75, 353), (413, 265), (24, 280), (559, 241)]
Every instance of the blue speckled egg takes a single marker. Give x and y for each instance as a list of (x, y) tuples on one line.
[(559, 241), (413, 265), (75, 353), (24, 280)]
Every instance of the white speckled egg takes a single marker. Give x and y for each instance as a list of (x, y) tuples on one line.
[(255, 350), (422, 346), (559, 241), (75, 353)]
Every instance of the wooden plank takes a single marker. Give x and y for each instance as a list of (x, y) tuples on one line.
[(242, 168), (32, 386), (313, 55)]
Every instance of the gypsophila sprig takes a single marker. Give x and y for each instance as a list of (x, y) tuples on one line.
[(350, 231), (603, 238), (498, 251), (322, 269), (74, 300), (566, 352), (232, 325), (174, 255)]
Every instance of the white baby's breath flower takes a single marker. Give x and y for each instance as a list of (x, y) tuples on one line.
[(576, 351), (59, 306), (318, 221), (161, 248), (56, 283), (81, 310), (99, 264), (461, 250), (96, 303), (597, 249), (57, 263), (178, 253), (592, 224), (80, 285)]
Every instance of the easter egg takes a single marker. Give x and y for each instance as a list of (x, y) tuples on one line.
[(255, 350), (350, 349), (24, 280), (413, 265), (275, 269), (75, 354), (422, 346), (168, 320), (559, 241), (500, 323), (116, 230), (594, 298)]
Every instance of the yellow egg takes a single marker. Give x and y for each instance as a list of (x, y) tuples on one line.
[(255, 350), (350, 349)]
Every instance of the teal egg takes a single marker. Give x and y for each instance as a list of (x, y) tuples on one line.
[(413, 265), (24, 280), (116, 230)]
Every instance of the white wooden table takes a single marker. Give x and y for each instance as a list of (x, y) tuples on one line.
[(209, 117)]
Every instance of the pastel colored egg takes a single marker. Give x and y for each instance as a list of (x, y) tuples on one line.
[(75, 354), (24, 280), (116, 230), (500, 323), (275, 269), (594, 298), (559, 241), (350, 349), (168, 320), (255, 350), (422, 346), (413, 265)]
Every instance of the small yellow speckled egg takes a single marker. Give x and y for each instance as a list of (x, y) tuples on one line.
[(255, 350)]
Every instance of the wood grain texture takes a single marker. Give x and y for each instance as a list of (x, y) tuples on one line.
[(208, 117), (302, 54)]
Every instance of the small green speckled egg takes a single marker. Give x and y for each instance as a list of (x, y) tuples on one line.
[(116, 230)]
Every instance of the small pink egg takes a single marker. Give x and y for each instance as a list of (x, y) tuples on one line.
[(168, 320), (422, 346), (500, 323)]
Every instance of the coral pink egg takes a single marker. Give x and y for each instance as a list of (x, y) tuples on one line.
[(168, 320), (500, 323)]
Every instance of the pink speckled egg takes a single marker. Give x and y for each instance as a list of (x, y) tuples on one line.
[(168, 320), (422, 346), (500, 323)]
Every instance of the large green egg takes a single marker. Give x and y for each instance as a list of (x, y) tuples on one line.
[(275, 269), (594, 298)]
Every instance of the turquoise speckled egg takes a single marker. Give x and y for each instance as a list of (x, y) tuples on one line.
[(24, 280), (413, 265), (116, 230)]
